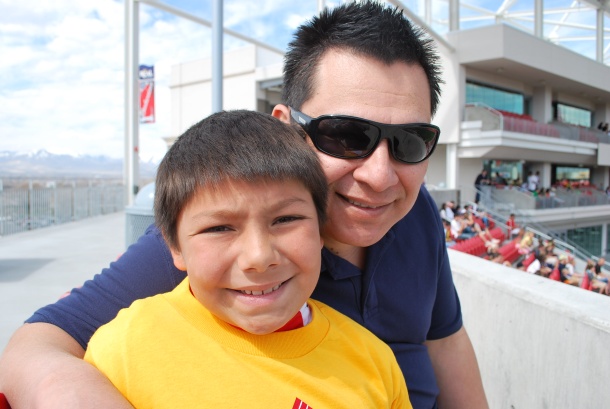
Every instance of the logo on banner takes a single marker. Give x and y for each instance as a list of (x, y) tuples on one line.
[(147, 94)]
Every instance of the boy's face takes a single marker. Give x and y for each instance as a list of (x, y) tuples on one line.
[(251, 250)]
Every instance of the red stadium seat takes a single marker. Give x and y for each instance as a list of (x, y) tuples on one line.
[(555, 274), (585, 282)]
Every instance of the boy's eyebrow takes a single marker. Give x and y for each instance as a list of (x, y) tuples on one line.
[(232, 213)]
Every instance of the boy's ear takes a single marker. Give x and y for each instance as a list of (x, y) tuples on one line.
[(321, 242), (281, 112), (179, 261)]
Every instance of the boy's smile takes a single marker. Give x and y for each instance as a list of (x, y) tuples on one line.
[(251, 250)]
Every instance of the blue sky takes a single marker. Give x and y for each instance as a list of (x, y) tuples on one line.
[(61, 66)]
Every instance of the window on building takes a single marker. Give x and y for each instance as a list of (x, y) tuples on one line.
[(572, 115), (496, 98), (587, 238), (511, 171), (572, 173)]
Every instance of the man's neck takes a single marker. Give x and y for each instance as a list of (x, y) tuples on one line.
[(353, 254)]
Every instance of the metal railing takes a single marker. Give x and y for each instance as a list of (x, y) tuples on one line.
[(493, 119), (508, 199), (23, 209)]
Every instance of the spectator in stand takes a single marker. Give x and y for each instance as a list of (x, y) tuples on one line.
[(608, 191), (551, 258), (601, 277), (449, 238), (527, 242), (537, 267), (483, 231), (564, 267), (498, 180), (481, 180), (512, 226), (569, 272), (485, 219), (446, 210), (460, 229), (599, 284), (493, 254), (532, 181)]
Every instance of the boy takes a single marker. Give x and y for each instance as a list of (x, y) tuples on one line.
[(240, 198)]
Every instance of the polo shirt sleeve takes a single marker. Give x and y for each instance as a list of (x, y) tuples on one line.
[(145, 269)]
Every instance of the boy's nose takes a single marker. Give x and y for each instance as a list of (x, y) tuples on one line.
[(258, 252)]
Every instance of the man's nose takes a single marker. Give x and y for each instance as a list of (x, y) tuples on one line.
[(378, 169)]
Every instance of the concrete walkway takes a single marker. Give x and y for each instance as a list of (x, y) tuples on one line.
[(38, 266)]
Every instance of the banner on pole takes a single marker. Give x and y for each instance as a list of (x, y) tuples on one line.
[(147, 94)]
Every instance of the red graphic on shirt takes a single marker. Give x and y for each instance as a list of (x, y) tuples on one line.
[(299, 404)]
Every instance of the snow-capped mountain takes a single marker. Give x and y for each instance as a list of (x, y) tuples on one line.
[(49, 165)]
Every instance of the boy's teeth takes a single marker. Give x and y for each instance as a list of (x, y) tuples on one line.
[(261, 292)]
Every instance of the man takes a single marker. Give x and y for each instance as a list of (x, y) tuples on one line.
[(481, 180), (499, 180), (533, 179), (385, 262)]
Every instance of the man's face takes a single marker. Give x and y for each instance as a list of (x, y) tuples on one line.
[(252, 251), (368, 196)]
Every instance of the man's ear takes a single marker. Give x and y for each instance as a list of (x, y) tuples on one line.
[(281, 112), (179, 261)]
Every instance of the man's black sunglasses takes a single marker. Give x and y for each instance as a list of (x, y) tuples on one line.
[(350, 137)]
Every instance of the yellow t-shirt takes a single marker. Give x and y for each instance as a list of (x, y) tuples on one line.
[(168, 351)]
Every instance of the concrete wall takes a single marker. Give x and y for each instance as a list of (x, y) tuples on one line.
[(437, 167), (539, 343)]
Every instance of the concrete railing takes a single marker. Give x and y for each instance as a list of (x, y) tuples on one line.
[(539, 343)]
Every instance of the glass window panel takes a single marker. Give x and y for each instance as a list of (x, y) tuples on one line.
[(573, 115), (500, 99), (572, 173), (588, 238)]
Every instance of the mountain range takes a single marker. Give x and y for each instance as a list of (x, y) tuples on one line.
[(43, 164)]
